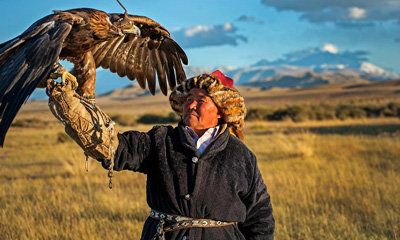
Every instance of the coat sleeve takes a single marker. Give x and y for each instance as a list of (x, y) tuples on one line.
[(259, 223), (133, 152)]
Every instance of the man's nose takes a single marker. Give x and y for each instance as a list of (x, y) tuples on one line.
[(193, 104)]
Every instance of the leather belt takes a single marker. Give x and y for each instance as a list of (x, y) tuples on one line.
[(176, 222)]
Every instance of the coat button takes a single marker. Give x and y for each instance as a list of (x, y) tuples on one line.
[(195, 159), (187, 196)]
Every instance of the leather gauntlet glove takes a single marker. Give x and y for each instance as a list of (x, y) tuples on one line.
[(84, 122)]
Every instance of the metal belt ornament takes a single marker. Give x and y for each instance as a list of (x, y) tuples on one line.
[(177, 222)]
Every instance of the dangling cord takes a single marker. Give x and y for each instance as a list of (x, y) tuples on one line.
[(111, 152), (110, 175), (110, 129), (86, 162)]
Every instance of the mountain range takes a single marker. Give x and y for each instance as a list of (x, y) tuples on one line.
[(312, 63), (304, 68)]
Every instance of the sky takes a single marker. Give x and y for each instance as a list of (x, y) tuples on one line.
[(243, 32)]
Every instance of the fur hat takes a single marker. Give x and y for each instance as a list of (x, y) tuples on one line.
[(220, 88)]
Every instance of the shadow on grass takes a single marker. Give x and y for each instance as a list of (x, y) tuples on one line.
[(390, 130), (36, 176), (370, 130)]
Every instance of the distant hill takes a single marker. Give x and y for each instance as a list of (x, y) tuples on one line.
[(132, 100), (253, 95), (303, 68), (307, 79), (366, 92), (133, 90)]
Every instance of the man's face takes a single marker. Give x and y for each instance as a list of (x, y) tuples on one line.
[(199, 111)]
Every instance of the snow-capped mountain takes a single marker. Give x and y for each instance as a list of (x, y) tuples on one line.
[(305, 80), (323, 61), (327, 60), (375, 71)]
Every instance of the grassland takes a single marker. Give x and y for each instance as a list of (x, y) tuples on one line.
[(327, 179)]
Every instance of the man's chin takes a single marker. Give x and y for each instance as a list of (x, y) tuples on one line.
[(190, 121)]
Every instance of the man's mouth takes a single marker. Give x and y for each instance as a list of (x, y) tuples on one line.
[(192, 113)]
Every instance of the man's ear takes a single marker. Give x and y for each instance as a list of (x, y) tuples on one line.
[(219, 115), (220, 118)]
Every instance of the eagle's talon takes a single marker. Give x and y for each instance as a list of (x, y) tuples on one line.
[(66, 76), (60, 71)]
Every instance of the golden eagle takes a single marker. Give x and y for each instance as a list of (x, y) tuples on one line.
[(129, 45)]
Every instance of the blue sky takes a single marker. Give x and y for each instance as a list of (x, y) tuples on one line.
[(240, 33)]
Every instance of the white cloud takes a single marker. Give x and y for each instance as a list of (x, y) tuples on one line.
[(199, 29), (228, 27), (191, 31), (360, 11), (326, 57), (329, 47), (357, 13), (208, 35)]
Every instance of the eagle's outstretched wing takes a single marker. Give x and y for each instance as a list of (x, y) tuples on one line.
[(89, 38), (143, 57), (24, 62)]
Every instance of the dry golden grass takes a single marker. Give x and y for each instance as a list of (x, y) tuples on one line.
[(327, 180), (331, 184), (47, 194)]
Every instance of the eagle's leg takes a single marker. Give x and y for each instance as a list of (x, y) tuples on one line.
[(85, 72), (60, 71)]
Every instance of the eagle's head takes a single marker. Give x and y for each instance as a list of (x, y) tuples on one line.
[(125, 23)]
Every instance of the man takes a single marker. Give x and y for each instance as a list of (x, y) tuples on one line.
[(202, 180)]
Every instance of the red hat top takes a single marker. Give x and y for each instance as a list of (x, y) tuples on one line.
[(226, 81)]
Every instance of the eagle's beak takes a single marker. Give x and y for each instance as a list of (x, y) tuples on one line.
[(134, 30)]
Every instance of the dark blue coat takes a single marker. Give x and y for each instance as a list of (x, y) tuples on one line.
[(224, 183)]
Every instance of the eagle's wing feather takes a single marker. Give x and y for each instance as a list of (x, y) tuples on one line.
[(109, 52), (137, 66), (149, 71), (169, 69), (158, 66), (130, 72), (120, 65), (143, 57), (25, 61)]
